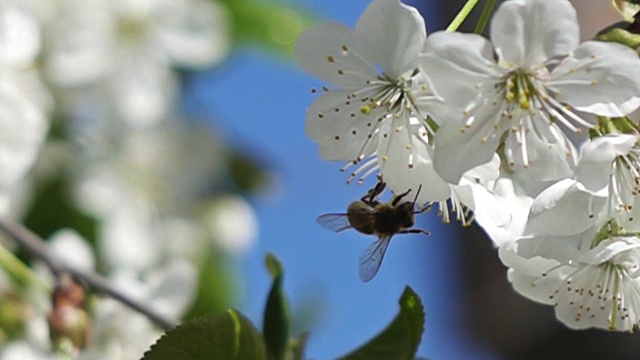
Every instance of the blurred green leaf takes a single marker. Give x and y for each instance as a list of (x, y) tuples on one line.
[(267, 23), (229, 335), (53, 208), (401, 338), (277, 317), (298, 346), (619, 33), (213, 294), (247, 173)]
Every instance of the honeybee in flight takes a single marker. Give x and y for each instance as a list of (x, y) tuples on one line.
[(371, 217)]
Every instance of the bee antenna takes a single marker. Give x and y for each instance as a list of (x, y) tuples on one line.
[(417, 193)]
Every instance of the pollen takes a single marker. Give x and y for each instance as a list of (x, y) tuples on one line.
[(365, 109)]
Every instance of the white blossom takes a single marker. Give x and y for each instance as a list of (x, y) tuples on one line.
[(378, 120), (597, 287), (24, 101), (515, 92), (127, 49)]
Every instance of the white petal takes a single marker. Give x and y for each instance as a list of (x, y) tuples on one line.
[(596, 158), (23, 127), (528, 32), (485, 173), (600, 78), (391, 35), (489, 210), (19, 37), (143, 91), (459, 149), (194, 33), (336, 122), (503, 213), (72, 249), (563, 209), (402, 144), (456, 63), (127, 240), (80, 44), (327, 51), (536, 287), (171, 290), (233, 223), (547, 161), (608, 249)]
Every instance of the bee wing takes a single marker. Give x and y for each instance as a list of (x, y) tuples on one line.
[(334, 222), (371, 258)]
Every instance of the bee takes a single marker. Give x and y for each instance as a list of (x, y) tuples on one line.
[(371, 217)]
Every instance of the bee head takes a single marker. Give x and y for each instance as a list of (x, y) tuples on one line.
[(404, 212)]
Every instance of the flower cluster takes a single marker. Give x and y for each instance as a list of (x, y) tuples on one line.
[(103, 76), (528, 130)]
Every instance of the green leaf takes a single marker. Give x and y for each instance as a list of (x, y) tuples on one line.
[(298, 346), (267, 23), (229, 336), (620, 34), (401, 338), (214, 286), (277, 318)]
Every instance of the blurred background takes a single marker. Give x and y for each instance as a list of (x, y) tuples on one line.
[(176, 158)]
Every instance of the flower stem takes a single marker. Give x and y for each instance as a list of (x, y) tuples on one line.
[(17, 270), (462, 15), (484, 17)]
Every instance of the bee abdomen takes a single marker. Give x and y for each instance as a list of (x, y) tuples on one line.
[(360, 217)]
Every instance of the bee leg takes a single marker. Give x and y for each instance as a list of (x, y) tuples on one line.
[(397, 199), (370, 197), (414, 231), (426, 208)]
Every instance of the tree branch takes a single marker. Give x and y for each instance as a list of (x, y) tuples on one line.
[(37, 247)]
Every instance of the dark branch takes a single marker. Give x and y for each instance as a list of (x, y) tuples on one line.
[(36, 247)]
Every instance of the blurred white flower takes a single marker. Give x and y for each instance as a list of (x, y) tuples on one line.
[(23, 99), (121, 333), (129, 48), (232, 223)]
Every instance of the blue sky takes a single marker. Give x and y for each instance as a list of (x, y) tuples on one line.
[(259, 102)]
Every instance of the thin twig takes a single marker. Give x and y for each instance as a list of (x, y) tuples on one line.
[(36, 247)]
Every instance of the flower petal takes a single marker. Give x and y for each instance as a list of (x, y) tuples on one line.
[(600, 78), (194, 33), (563, 209), (336, 122), (504, 213), (460, 149), (596, 157), (23, 127), (79, 43), (456, 63), (327, 51), (608, 249), (391, 35), (19, 37), (143, 90), (528, 32), (404, 158), (545, 161)]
